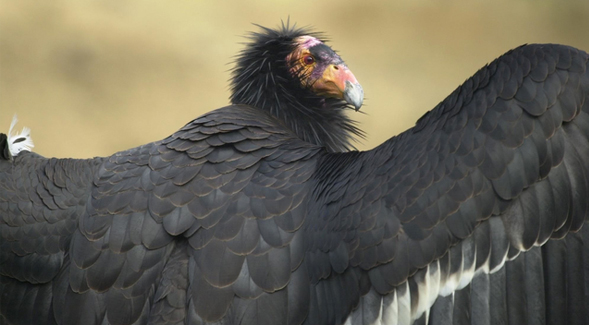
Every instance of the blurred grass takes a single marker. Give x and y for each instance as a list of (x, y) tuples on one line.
[(95, 77)]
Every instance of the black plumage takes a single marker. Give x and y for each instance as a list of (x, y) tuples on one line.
[(256, 213)]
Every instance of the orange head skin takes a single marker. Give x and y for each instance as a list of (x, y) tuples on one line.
[(323, 71)]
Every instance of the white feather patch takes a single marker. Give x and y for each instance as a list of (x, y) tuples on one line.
[(397, 308), (19, 141)]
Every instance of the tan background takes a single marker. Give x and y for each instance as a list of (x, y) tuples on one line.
[(92, 78)]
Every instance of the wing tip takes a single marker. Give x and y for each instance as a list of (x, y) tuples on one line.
[(13, 143)]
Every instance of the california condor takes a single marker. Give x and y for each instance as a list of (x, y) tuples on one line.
[(261, 212)]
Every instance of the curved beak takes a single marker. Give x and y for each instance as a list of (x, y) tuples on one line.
[(354, 94), (339, 82)]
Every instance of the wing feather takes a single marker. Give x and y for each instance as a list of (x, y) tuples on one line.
[(493, 170)]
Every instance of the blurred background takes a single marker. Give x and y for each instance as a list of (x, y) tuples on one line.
[(94, 77)]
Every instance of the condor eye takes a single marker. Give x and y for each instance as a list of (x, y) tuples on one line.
[(308, 59)]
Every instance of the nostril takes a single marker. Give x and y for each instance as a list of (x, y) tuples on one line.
[(336, 67)]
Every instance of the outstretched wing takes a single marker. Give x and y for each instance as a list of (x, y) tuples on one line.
[(497, 168), (40, 203)]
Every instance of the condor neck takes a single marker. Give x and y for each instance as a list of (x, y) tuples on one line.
[(312, 118)]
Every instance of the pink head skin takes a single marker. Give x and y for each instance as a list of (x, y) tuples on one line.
[(323, 71)]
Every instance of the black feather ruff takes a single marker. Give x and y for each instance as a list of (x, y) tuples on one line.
[(261, 78)]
